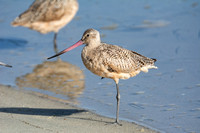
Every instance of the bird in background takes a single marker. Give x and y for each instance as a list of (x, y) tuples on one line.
[(47, 16), (110, 61), (6, 65)]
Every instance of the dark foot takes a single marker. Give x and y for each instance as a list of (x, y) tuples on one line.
[(117, 122), (114, 123)]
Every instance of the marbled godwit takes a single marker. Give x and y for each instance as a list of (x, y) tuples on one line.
[(48, 16), (3, 64), (110, 61)]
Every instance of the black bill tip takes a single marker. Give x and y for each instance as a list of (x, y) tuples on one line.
[(8, 65), (55, 55)]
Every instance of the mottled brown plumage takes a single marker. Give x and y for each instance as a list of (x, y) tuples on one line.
[(110, 61), (47, 16)]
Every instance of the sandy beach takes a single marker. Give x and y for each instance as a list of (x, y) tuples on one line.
[(25, 111)]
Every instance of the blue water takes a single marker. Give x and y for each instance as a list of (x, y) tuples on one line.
[(166, 99)]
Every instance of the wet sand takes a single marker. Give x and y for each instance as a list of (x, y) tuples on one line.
[(25, 111)]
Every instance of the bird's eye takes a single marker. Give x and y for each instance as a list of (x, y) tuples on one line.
[(88, 35)]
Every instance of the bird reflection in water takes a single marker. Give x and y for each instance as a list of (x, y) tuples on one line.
[(58, 76)]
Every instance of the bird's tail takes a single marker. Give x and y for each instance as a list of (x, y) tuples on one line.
[(154, 59)]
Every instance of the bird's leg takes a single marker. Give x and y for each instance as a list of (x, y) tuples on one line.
[(55, 44), (118, 101)]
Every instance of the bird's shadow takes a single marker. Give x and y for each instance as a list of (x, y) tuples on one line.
[(12, 43), (51, 112), (41, 111)]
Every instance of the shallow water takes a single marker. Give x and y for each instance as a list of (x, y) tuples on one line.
[(166, 99)]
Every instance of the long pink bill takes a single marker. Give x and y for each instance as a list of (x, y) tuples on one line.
[(68, 49)]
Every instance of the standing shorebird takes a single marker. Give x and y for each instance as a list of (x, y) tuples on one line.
[(3, 64), (48, 16), (110, 61)]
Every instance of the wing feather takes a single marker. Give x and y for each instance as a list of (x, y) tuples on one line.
[(121, 60), (42, 10)]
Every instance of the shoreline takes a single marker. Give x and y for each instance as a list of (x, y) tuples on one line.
[(25, 111)]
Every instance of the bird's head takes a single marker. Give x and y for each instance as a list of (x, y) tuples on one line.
[(91, 38)]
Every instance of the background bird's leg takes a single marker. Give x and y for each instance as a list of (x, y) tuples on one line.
[(118, 101), (55, 44)]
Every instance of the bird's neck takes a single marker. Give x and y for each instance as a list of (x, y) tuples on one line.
[(88, 49), (92, 45)]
